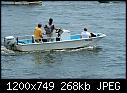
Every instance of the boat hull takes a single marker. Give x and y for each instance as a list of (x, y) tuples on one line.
[(71, 41), (58, 44), (20, 2)]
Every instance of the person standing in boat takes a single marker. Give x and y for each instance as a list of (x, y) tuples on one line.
[(85, 34), (49, 29), (38, 33)]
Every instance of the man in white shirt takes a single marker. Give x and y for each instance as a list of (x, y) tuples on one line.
[(85, 34)]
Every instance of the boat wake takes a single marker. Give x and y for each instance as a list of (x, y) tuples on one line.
[(77, 49), (5, 51), (89, 48)]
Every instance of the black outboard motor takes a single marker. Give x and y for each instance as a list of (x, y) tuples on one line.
[(59, 32)]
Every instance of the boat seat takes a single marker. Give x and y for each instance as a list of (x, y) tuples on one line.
[(75, 37), (27, 41)]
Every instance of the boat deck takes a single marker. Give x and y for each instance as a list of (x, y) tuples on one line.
[(29, 41)]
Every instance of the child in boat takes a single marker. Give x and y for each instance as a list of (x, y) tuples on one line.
[(38, 33)]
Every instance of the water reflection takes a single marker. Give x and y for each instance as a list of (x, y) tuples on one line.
[(56, 56), (44, 57), (49, 57), (38, 57)]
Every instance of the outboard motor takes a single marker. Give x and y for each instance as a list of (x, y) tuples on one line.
[(59, 31), (9, 42)]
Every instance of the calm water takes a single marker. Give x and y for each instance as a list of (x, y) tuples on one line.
[(107, 61)]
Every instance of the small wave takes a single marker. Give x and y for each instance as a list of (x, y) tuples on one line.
[(76, 49), (84, 48), (5, 51)]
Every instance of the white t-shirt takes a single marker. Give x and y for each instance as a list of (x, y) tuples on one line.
[(85, 34)]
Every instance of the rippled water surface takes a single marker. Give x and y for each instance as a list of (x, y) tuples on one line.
[(106, 61)]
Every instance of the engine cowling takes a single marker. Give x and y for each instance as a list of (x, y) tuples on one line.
[(9, 42)]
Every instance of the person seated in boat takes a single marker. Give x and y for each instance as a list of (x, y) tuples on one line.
[(38, 33), (49, 28), (85, 34), (89, 34)]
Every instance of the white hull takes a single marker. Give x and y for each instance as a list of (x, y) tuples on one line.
[(20, 2), (26, 43), (59, 44)]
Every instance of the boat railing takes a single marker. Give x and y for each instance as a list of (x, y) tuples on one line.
[(29, 36), (20, 39)]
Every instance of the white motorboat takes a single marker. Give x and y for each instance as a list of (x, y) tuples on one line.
[(20, 2), (27, 43)]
